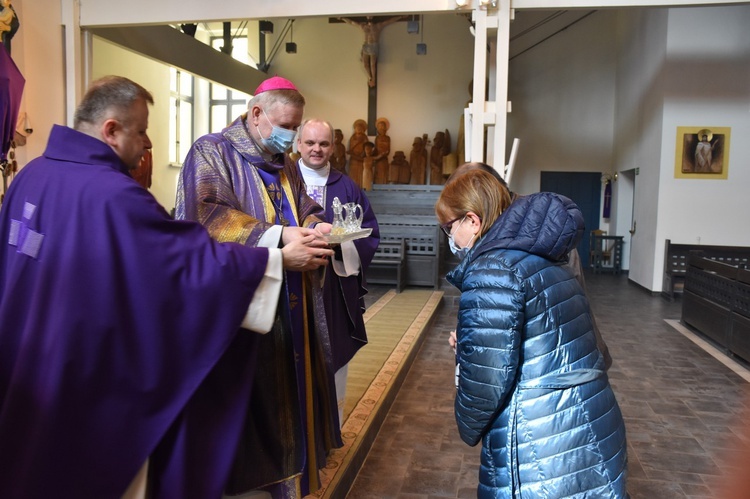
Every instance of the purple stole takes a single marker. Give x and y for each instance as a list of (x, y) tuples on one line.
[(295, 309)]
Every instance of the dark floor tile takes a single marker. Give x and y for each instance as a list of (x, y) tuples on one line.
[(368, 487), (670, 408), (685, 445), (435, 482), (422, 442), (656, 463), (653, 489), (696, 491), (387, 464)]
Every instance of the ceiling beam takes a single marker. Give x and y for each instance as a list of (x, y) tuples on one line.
[(174, 48), (113, 13)]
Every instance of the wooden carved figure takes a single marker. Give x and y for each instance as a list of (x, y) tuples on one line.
[(436, 159), (338, 157), (399, 172), (418, 162), (356, 151), (368, 165), (382, 150)]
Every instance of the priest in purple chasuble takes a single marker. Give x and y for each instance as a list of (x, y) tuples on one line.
[(237, 184), (345, 280), (124, 345)]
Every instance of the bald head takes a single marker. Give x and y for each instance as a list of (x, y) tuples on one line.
[(315, 143)]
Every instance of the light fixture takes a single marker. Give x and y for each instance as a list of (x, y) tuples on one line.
[(291, 47), (421, 47), (265, 27), (461, 3), (412, 26)]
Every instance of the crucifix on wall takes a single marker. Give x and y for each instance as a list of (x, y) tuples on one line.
[(371, 29)]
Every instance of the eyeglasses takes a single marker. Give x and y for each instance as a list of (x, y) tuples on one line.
[(448, 226)]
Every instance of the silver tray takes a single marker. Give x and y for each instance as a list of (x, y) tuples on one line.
[(349, 236)]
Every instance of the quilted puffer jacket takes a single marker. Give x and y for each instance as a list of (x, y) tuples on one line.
[(532, 384)]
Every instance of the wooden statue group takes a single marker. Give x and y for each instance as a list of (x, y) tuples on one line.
[(369, 161)]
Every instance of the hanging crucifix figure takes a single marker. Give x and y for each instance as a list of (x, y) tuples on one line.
[(370, 47)]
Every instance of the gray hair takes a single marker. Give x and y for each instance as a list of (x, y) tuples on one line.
[(107, 96), (271, 98)]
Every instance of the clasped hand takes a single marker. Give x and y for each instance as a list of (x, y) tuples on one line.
[(305, 249)]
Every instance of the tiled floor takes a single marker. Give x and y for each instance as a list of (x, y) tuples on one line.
[(680, 405)]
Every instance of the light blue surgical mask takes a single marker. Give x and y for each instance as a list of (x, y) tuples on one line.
[(279, 140), (459, 252)]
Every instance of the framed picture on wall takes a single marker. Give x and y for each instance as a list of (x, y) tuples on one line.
[(702, 152)]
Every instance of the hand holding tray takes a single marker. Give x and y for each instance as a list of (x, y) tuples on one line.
[(347, 236)]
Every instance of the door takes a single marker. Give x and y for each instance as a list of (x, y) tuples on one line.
[(585, 189)]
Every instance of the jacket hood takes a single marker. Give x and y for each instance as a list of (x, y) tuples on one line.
[(544, 224)]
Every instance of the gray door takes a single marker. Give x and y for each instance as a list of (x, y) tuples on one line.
[(584, 188)]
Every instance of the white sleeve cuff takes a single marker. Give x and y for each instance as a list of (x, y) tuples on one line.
[(350, 263), (262, 310), (271, 237)]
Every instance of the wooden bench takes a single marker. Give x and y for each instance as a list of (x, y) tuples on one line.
[(422, 249), (676, 258), (716, 302), (407, 212), (388, 265), (398, 199)]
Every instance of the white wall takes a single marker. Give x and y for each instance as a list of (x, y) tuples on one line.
[(641, 48), (608, 94), (707, 84), (563, 94), (111, 59)]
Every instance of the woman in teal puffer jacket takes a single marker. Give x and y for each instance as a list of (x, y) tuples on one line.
[(532, 385)]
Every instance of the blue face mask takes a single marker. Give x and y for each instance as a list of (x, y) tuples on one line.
[(459, 252), (279, 140)]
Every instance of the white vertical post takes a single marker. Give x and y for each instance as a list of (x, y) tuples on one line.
[(87, 43), (477, 105), (501, 82), (71, 15)]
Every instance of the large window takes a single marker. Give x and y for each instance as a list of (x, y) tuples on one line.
[(226, 104), (196, 104), (181, 105)]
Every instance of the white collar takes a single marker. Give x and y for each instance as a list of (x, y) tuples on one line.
[(312, 176)]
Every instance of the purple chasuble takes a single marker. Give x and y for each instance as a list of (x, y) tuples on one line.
[(120, 337), (227, 185)]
